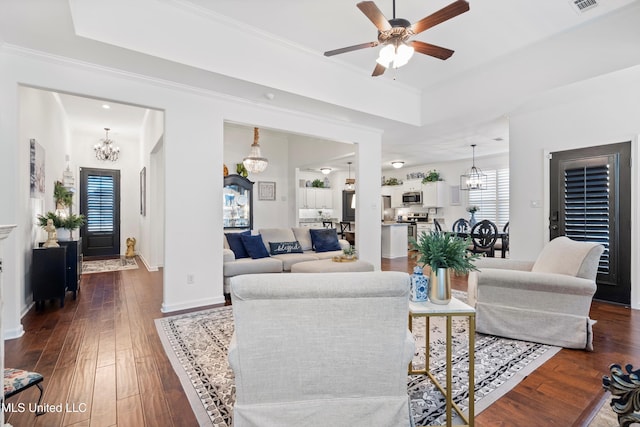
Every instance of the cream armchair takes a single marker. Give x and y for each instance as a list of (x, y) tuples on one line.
[(321, 349), (545, 301)]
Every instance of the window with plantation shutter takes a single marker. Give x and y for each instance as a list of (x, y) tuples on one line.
[(100, 203), (586, 207), (493, 201)]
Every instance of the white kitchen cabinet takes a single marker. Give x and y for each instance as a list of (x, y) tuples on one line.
[(323, 198), (385, 190), (423, 228), (315, 198), (434, 194), (311, 224), (396, 196), (412, 185)]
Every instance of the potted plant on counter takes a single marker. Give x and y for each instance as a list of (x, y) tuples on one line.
[(443, 252)]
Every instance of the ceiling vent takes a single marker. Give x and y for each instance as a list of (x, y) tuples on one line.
[(581, 6)]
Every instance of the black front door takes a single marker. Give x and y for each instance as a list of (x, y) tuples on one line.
[(591, 201), (100, 205)]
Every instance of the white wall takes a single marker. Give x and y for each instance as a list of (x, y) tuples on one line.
[(600, 111), (150, 243)]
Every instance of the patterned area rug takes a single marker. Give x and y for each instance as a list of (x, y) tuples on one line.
[(196, 344), (101, 266)]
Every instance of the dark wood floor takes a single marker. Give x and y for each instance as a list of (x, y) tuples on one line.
[(102, 357)]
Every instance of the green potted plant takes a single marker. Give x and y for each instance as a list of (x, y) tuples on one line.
[(70, 222), (62, 196), (317, 183), (349, 252), (432, 176), (443, 253)]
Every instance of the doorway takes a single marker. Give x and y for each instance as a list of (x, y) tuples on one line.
[(100, 205), (590, 191)]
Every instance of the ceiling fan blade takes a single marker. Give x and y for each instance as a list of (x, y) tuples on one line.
[(372, 12), (447, 12), (350, 48), (431, 49), (378, 71)]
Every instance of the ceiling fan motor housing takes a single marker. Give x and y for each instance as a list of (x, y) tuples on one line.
[(399, 30)]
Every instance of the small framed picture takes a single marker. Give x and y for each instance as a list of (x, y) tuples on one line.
[(266, 190)]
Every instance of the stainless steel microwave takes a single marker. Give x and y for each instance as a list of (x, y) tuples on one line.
[(412, 198)]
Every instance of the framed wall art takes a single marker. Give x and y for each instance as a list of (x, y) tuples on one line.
[(266, 190)]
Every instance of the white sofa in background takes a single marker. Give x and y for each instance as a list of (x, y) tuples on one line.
[(545, 301), (275, 263), (313, 352)]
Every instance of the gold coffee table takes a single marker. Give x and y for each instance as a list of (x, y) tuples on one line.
[(451, 310)]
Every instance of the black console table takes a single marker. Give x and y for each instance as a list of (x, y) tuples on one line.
[(54, 271)]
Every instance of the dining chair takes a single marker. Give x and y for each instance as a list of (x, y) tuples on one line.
[(327, 224), (436, 225), (344, 227), (502, 244), (484, 236), (461, 226)]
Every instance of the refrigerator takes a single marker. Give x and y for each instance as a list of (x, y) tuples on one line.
[(387, 212)]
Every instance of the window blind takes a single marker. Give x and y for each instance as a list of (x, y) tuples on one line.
[(586, 207), (100, 203), (493, 201)]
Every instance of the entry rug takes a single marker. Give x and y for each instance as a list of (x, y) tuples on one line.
[(101, 266), (196, 344)]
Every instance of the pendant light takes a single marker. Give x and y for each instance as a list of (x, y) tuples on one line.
[(350, 183), (254, 162), (474, 179)]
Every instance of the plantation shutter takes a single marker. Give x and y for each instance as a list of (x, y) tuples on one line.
[(493, 201), (586, 207), (100, 203)]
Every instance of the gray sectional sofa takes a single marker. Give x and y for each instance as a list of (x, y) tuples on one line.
[(275, 263)]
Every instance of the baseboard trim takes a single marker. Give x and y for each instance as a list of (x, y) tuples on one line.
[(10, 334), (146, 264), (192, 304)]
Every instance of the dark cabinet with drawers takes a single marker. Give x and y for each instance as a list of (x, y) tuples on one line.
[(54, 271)]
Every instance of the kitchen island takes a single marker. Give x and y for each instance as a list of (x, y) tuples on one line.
[(394, 240)]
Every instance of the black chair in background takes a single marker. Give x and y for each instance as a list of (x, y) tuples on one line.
[(484, 236), (327, 224), (502, 245), (436, 225), (461, 226), (344, 227)]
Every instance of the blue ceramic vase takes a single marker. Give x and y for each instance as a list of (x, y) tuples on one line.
[(419, 285), (473, 221)]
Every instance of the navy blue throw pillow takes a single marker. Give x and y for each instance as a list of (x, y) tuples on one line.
[(235, 244), (324, 239), (254, 246), (278, 248)]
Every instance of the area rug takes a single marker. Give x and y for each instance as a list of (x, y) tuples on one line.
[(101, 266), (196, 344)]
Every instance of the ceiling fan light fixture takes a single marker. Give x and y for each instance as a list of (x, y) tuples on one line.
[(395, 55), (403, 55)]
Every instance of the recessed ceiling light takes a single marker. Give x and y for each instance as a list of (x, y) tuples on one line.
[(106, 106), (397, 164)]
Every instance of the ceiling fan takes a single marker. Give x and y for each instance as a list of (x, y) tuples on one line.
[(394, 34)]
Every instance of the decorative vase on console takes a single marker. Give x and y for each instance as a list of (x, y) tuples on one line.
[(419, 285), (472, 219)]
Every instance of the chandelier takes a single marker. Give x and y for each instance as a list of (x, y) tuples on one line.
[(350, 183), (254, 162), (474, 179), (106, 150)]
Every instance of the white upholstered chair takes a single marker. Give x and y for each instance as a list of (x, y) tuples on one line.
[(545, 301), (321, 349)]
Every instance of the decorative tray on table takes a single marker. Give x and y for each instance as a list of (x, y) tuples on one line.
[(343, 258)]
